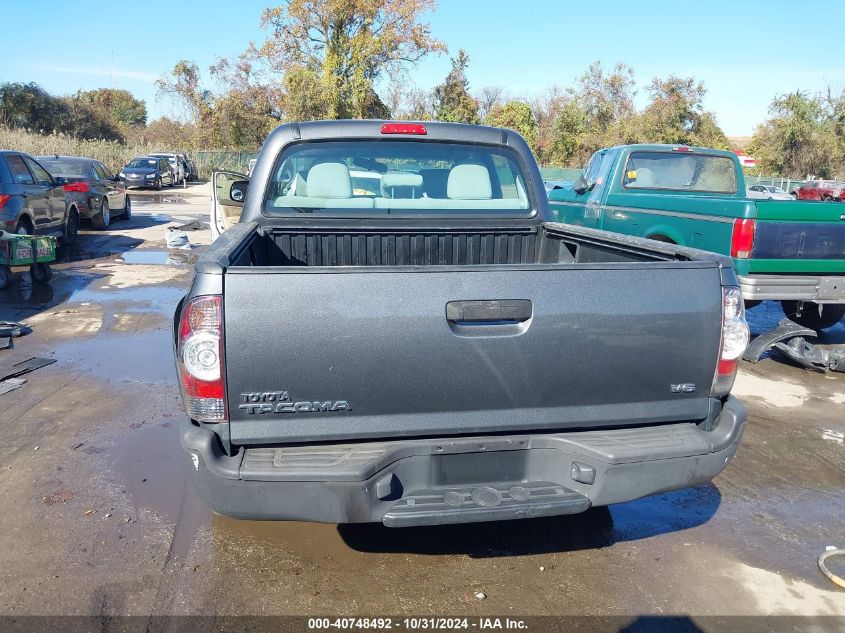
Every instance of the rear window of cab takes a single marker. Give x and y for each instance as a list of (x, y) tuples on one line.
[(366, 177), (680, 171)]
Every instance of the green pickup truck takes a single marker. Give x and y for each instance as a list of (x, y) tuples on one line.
[(790, 251)]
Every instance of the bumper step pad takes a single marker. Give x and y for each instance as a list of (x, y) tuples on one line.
[(489, 502)]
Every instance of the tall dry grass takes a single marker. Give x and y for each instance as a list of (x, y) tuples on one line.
[(113, 154)]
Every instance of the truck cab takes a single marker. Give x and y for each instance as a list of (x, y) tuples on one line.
[(784, 250)]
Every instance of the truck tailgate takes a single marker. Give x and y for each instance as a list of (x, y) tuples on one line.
[(800, 231), (328, 354)]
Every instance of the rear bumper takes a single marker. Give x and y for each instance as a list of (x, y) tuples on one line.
[(818, 288), (456, 480)]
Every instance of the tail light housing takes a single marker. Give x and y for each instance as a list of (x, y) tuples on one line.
[(77, 187), (4, 198), (734, 339), (742, 238), (200, 361)]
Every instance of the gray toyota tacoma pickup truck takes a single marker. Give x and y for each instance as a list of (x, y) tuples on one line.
[(391, 329)]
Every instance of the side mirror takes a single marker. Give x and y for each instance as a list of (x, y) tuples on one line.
[(581, 185), (59, 180), (237, 192)]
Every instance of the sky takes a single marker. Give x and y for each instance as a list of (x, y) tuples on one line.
[(745, 52)]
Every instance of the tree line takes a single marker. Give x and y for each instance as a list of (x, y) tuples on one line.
[(331, 59)]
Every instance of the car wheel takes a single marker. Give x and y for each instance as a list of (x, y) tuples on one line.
[(41, 273), (127, 209), (103, 218), (814, 315), (71, 229)]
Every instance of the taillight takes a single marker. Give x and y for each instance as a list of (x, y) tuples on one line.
[(200, 359), (4, 198), (403, 128), (742, 238), (735, 337), (77, 187)]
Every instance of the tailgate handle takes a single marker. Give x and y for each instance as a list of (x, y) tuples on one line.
[(489, 312)]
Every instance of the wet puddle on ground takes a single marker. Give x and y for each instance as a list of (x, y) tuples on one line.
[(170, 258)]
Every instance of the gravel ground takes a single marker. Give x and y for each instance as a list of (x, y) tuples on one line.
[(96, 518)]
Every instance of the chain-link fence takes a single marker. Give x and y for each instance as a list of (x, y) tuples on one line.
[(206, 160), (787, 184)]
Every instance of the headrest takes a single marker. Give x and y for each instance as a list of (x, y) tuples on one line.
[(469, 182), (645, 178), (408, 184), (329, 180)]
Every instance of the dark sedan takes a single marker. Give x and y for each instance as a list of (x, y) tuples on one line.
[(148, 171), (101, 196)]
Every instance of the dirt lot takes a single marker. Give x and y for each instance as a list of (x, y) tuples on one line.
[(96, 517)]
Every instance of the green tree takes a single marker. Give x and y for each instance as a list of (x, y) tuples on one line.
[(118, 106), (570, 128), (799, 138), (676, 114), (183, 83), (29, 106), (605, 97), (514, 115), (346, 46), (452, 101)]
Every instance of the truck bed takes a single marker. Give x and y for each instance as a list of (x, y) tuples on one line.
[(248, 246), (316, 356)]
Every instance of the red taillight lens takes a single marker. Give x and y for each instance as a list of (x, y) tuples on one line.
[(403, 128), (742, 239), (200, 359), (77, 187), (734, 339), (3, 199)]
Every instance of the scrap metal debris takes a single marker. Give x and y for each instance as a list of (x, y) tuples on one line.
[(12, 329), (762, 343), (14, 365), (193, 225), (809, 356), (11, 384), (789, 339)]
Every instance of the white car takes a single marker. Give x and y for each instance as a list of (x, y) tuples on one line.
[(177, 164), (768, 192)]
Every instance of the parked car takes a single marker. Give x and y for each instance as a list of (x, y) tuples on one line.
[(767, 192), (177, 162), (436, 350), (101, 196), (32, 202), (148, 171), (824, 190), (792, 252)]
